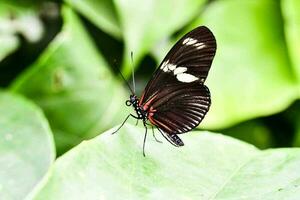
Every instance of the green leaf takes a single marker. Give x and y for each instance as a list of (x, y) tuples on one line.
[(251, 75), (73, 84), (26, 146), (290, 10), (209, 166), (101, 12), (144, 23)]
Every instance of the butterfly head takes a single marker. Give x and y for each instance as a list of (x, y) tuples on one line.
[(133, 100)]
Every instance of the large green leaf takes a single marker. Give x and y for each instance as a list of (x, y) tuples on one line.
[(251, 75), (101, 12), (209, 166), (74, 86), (26, 146), (290, 10), (144, 23)]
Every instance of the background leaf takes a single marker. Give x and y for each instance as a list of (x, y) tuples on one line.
[(209, 166), (26, 146), (153, 20), (9, 44), (290, 10), (72, 83), (101, 12), (15, 19)]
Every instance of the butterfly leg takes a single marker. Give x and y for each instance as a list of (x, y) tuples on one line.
[(157, 140), (145, 139), (137, 121), (130, 115)]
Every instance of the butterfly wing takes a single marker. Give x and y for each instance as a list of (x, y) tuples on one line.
[(188, 61), (179, 109), (176, 98)]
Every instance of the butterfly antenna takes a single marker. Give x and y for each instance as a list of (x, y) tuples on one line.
[(114, 65), (132, 68)]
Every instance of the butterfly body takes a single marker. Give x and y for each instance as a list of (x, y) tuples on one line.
[(134, 101), (175, 99), (145, 113)]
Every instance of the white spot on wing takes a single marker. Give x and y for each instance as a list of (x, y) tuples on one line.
[(192, 41), (167, 67), (189, 41), (186, 78), (180, 70), (164, 66), (171, 67), (185, 41)]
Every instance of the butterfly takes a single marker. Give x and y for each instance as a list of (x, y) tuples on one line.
[(175, 99)]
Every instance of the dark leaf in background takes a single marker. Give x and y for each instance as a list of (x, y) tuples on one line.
[(144, 23), (255, 132), (102, 13)]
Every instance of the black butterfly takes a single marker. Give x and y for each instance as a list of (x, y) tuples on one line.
[(176, 100)]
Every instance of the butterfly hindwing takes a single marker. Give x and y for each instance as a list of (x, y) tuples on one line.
[(180, 109)]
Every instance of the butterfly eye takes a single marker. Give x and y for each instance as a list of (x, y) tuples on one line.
[(128, 103)]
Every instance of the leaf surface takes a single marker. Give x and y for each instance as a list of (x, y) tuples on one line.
[(26, 146), (209, 166)]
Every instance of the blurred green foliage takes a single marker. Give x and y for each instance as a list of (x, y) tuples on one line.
[(73, 84), (61, 57)]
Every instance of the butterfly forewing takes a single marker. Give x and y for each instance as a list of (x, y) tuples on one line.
[(188, 61), (176, 98)]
